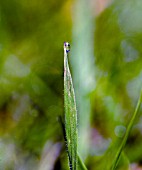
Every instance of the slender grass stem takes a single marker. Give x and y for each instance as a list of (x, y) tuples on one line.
[(81, 165), (115, 162)]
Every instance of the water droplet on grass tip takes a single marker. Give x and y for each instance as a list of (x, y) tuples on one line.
[(67, 46)]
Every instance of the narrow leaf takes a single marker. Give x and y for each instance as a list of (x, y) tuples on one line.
[(70, 112)]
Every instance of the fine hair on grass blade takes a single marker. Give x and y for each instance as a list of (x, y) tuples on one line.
[(81, 165), (129, 127), (70, 128), (70, 112)]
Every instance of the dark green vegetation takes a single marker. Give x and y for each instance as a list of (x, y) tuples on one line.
[(31, 84)]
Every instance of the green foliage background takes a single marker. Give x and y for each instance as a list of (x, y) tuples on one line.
[(31, 83)]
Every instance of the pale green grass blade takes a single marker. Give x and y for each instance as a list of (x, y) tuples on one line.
[(83, 63), (116, 159), (70, 113)]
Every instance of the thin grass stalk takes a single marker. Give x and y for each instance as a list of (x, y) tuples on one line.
[(118, 154)]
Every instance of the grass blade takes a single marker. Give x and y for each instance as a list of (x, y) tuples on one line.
[(70, 113), (81, 165), (116, 159)]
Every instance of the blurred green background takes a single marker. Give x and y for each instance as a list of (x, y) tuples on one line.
[(109, 35)]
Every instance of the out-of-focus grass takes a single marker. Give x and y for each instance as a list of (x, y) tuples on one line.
[(131, 122), (83, 69), (31, 34), (31, 80)]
